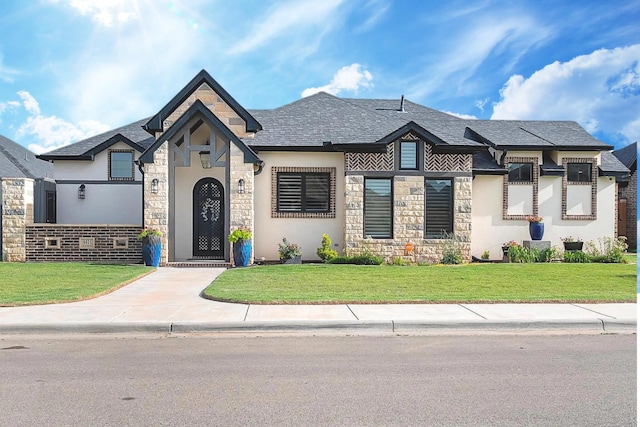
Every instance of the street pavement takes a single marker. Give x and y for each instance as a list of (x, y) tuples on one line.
[(168, 300)]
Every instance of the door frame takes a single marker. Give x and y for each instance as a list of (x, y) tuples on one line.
[(196, 252)]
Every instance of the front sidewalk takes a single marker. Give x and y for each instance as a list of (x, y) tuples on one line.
[(168, 300)]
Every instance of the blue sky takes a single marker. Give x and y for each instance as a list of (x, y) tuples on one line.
[(70, 69)]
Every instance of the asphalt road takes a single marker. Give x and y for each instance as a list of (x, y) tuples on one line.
[(505, 380)]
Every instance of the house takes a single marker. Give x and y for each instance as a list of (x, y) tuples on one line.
[(375, 173), (628, 195), (27, 191)]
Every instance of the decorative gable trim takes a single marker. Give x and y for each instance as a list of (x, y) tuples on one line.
[(90, 154), (199, 108), (155, 124)]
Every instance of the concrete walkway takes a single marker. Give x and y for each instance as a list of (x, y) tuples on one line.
[(168, 300)]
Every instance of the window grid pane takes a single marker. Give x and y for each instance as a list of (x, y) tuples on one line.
[(520, 172), (438, 208), (579, 172), (304, 192), (378, 209)]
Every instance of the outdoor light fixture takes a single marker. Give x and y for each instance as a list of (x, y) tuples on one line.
[(81, 191), (154, 186), (241, 186), (205, 159)]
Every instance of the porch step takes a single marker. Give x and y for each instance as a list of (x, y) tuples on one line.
[(204, 263)]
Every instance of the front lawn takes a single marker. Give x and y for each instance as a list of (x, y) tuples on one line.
[(330, 284), (44, 283)]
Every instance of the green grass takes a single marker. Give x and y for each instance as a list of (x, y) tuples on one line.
[(328, 284), (44, 283)]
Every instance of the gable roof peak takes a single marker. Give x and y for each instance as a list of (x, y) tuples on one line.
[(155, 124)]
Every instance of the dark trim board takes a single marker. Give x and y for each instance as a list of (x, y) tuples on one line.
[(96, 182)]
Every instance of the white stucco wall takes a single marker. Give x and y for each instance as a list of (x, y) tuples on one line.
[(306, 232), (185, 180), (106, 202), (490, 231)]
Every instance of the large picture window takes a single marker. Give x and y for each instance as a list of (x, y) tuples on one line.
[(521, 172), (304, 192), (121, 165), (438, 208), (378, 208)]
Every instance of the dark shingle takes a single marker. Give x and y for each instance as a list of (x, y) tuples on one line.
[(18, 162), (628, 155)]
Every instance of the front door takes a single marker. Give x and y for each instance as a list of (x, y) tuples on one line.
[(208, 219)]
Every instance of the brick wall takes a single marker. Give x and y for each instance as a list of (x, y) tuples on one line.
[(84, 243), (630, 192)]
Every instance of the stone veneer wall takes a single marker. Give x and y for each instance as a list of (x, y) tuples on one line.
[(630, 192), (156, 206), (408, 220), (241, 206), (83, 243), (17, 213)]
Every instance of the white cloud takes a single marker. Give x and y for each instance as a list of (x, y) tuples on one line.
[(52, 132), (299, 21), (601, 91), (349, 78), (462, 116), (105, 12)]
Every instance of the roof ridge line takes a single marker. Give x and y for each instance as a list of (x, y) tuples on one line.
[(13, 160), (537, 136)]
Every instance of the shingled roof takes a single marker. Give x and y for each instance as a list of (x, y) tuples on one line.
[(132, 134), (18, 162), (628, 155)]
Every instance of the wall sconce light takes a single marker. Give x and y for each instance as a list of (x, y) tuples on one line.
[(241, 186), (154, 186), (205, 159), (81, 191)]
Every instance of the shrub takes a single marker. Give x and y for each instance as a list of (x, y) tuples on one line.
[(240, 234), (485, 255), (357, 260), (451, 251), (576, 257), (288, 250), (325, 253), (399, 261), (607, 249), (520, 254)]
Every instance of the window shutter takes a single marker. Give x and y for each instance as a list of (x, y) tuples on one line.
[(378, 218), (317, 193), (438, 208), (289, 193)]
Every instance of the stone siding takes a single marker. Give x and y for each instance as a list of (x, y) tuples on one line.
[(83, 243), (156, 206), (241, 206), (213, 102), (17, 213)]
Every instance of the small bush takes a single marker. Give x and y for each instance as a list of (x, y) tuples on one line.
[(451, 251), (485, 255), (325, 253), (607, 249), (357, 260), (576, 257), (520, 254), (399, 261)]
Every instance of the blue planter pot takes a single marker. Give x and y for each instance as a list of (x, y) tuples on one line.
[(151, 250), (536, 230), (241, 253)]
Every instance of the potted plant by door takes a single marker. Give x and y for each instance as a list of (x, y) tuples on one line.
[(241, 239), (289, 253), (572, 243), (151, 246), (536, 227)]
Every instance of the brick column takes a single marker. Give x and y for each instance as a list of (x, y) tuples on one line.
[(156, 206), (241, 206)]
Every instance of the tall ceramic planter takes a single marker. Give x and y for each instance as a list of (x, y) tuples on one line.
[(536, 230), (241, 252), (151, 250)]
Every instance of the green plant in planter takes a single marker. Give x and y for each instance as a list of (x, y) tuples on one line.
[(325, 253), (149, 232), (241, 233), (288, 250)]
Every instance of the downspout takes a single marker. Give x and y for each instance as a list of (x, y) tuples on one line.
[(141, 169), (260, 167)]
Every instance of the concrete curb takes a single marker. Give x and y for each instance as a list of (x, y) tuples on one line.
[(377, 326)]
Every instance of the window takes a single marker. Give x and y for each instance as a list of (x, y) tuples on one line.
[(438, 208), (303, 192), (409, 155), (521, 172), (121, 165), (579, 172), (378, 208)]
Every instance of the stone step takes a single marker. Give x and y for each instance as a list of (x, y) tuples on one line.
[(199, 264)]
